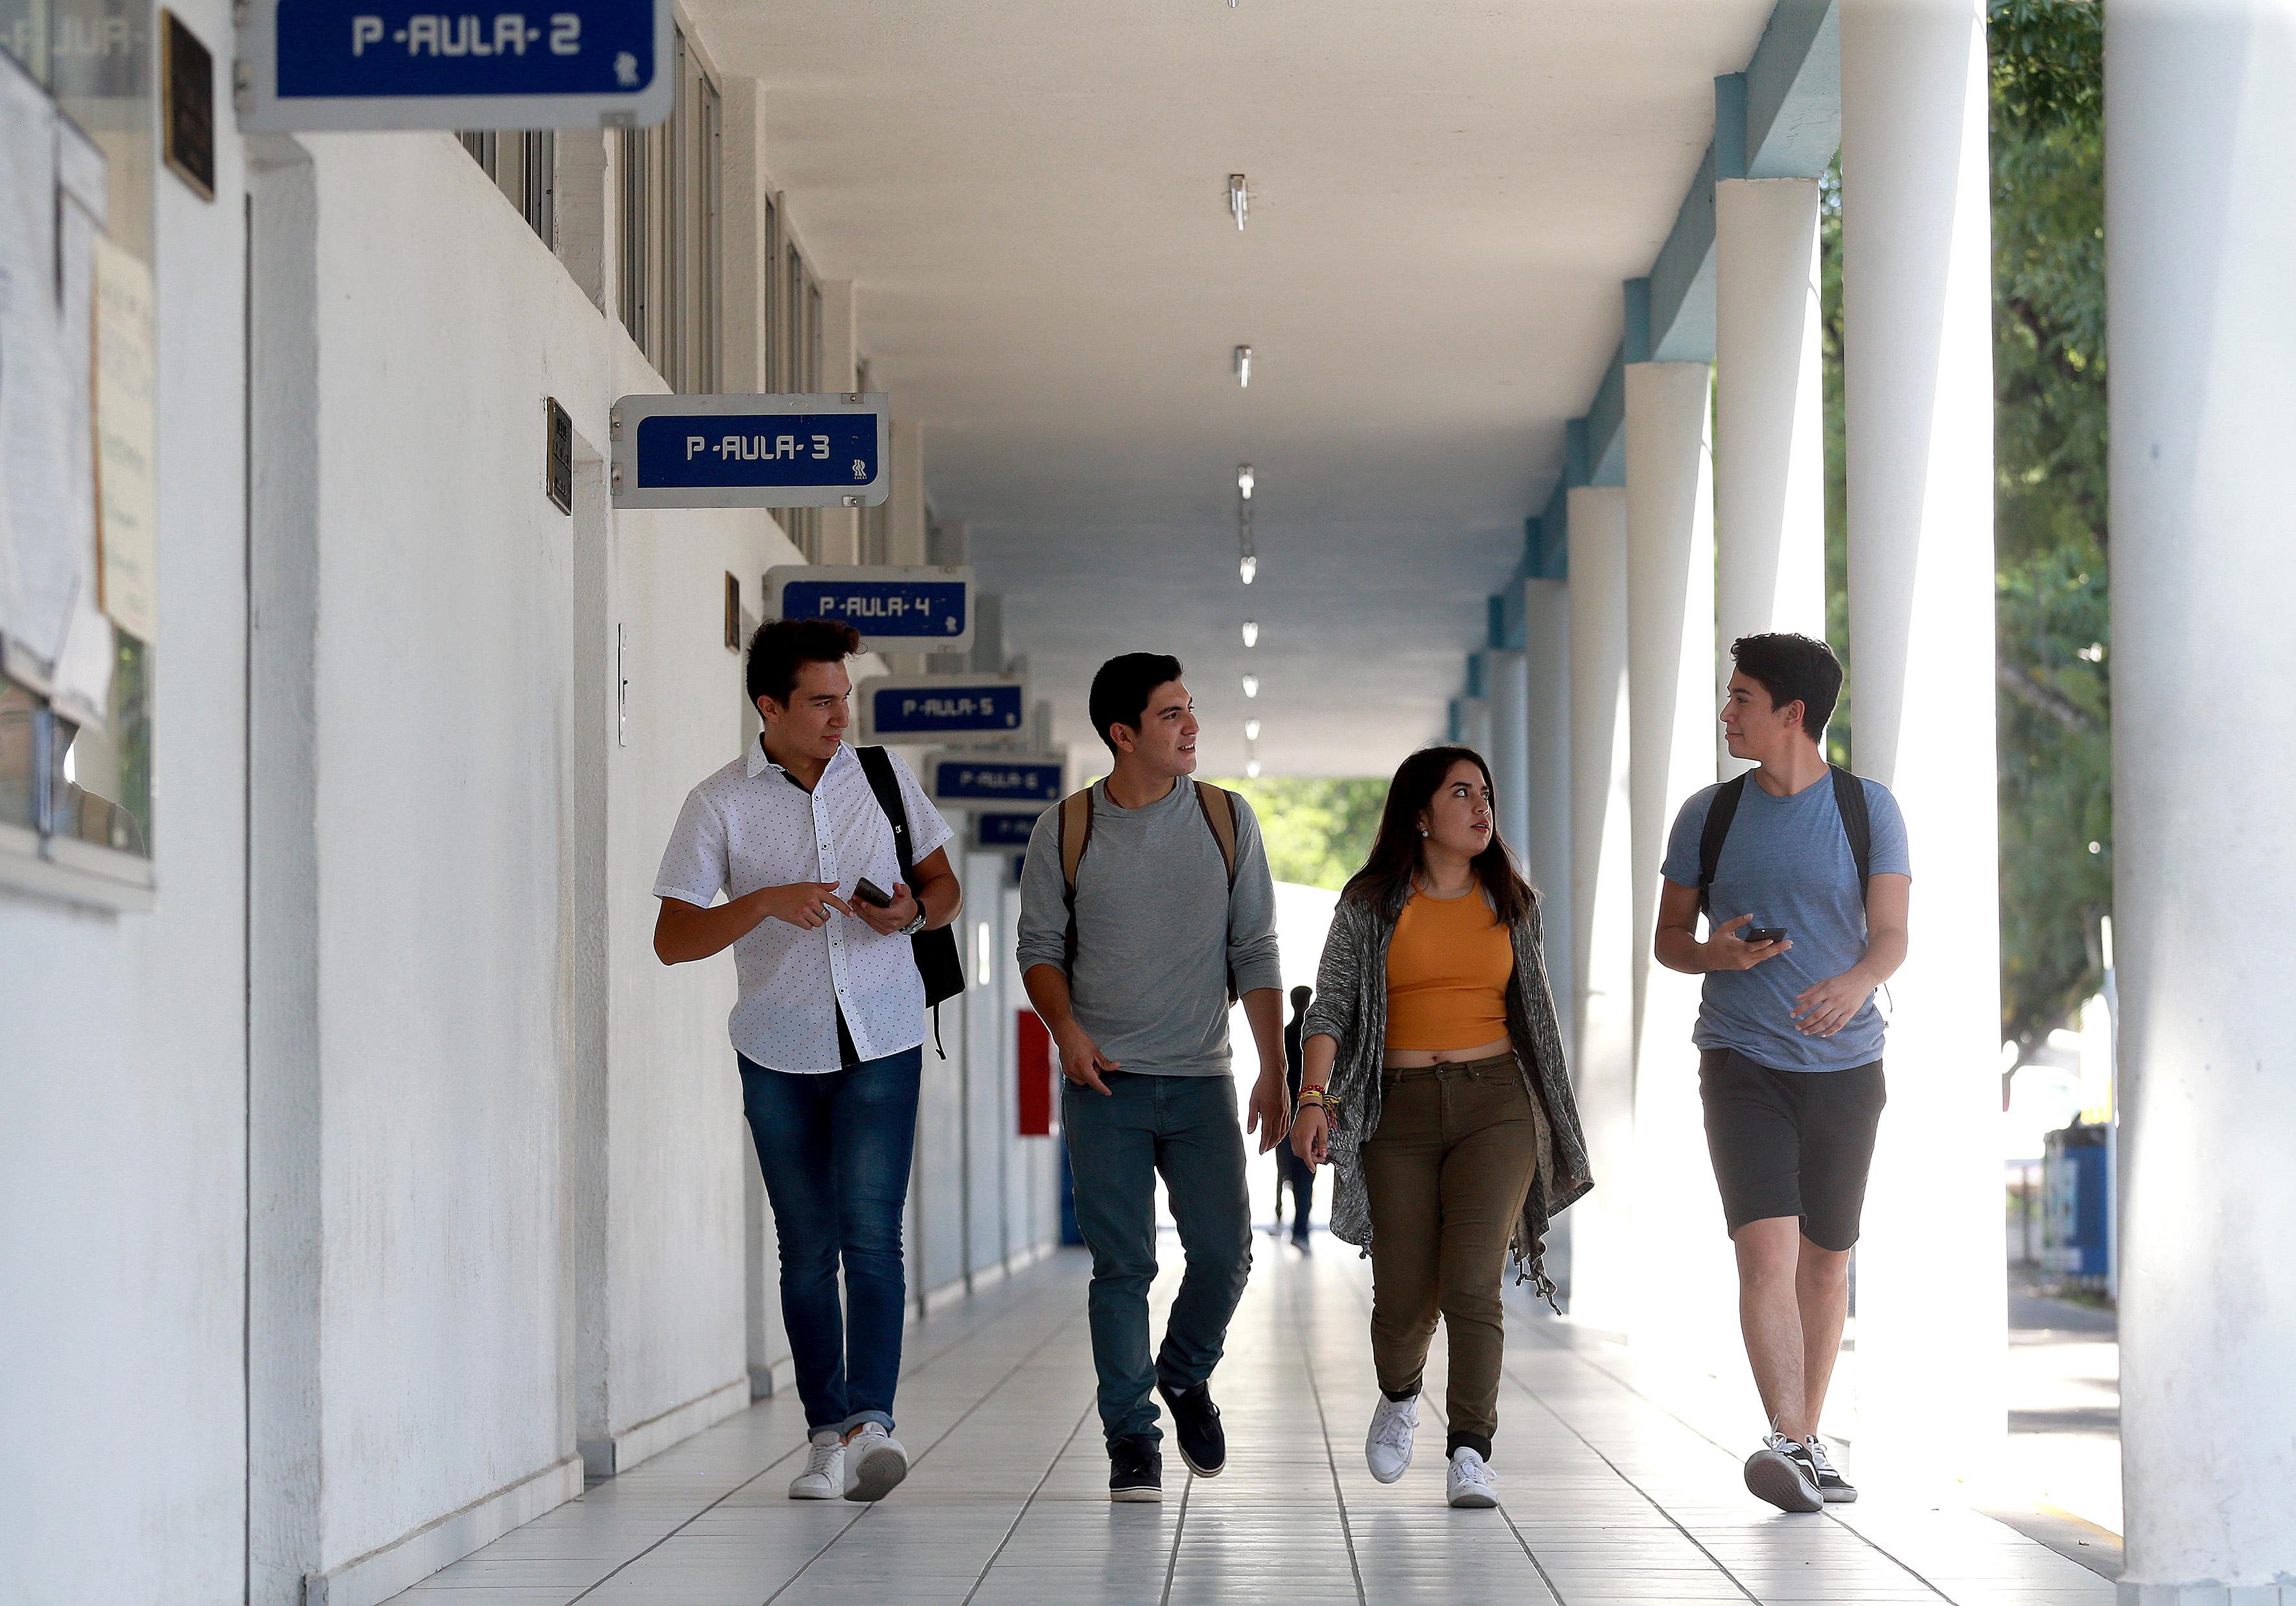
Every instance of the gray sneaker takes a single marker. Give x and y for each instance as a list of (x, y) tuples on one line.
[(875, 1464), (1836, 1489), (1784, 1473)]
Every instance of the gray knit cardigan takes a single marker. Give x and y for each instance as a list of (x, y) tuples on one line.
[(1350, 1006)]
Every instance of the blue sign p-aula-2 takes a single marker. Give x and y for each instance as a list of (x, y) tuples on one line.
[(354, 64)]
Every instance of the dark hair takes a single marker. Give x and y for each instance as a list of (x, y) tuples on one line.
[(1300, 996), (1395, 853), (783, 647), (1121, 690), (1792, 668)]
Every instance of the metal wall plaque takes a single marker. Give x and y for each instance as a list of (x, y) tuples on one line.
[(983, 779), (187, 105), (558, 457), (942, 707), (894, 608), (1002, 830), (751, 451), (352, 64)]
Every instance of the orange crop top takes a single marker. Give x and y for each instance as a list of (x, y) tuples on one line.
[(1448, 970)]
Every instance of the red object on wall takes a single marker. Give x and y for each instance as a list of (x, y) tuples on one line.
[(1036, 1059)]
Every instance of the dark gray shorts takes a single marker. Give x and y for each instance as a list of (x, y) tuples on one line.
[(1791, 1142)]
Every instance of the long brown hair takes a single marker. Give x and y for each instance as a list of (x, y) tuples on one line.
[(1386, 875)]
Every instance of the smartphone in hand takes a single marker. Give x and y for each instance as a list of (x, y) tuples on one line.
[(1763, 934), (869, 892)]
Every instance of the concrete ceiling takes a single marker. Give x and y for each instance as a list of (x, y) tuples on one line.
[(1445, 197)]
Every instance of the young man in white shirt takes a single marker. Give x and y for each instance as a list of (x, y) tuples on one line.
[(829, 1028)]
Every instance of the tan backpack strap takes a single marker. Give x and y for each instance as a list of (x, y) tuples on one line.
[(1075, 832), (1219, 805)]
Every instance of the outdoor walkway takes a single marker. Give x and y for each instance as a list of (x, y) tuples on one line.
[(1609, 1497)]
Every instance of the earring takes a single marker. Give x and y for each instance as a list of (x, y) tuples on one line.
[(1422, 830)]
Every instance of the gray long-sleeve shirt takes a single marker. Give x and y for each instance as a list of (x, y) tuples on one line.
[(1158, 929)]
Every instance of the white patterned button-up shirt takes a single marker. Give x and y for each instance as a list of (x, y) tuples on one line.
[(750, 826)]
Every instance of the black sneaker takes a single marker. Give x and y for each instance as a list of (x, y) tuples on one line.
[(1196, 1424), (1135, 1470), (1784, 1473), (1832, 1486)]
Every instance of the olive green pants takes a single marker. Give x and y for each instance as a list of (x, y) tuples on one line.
[(1445, 1176)]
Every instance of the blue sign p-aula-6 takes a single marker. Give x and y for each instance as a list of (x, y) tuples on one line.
[(989, 780), (402, 64)]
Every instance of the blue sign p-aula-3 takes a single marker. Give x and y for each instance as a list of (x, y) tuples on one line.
[(350, 65), (751, 451)]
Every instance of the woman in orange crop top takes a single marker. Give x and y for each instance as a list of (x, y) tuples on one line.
[(1433, 1080)]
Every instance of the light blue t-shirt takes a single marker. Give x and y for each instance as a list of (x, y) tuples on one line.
[(1787, 863)]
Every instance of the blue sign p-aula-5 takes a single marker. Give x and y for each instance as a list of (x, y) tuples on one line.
[(952, 709)]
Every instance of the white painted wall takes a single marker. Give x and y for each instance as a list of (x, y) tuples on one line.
[(500, 1191), (122, 1067)]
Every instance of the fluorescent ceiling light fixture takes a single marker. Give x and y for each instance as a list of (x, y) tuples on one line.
[(1251, 685), (1252, 770), (1243, 366), (1239, 203), (1252, 633), (1251, 730), (1249, 568), (1245, 478)]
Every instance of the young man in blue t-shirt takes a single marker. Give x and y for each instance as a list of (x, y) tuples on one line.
[(1790, 1041)]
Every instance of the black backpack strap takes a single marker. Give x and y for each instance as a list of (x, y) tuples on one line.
[(1857, 825), (1719, 813), (878, 766)]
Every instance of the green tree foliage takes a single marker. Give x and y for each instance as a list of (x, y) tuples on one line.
[(2050, 505), (1318, 829), (2054, 761)]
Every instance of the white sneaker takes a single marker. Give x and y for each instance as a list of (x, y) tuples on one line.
[(1472, 1483), (875, 1464), (1387, 1447), (1784, 1473), (823, 1478), (1832, 1486)]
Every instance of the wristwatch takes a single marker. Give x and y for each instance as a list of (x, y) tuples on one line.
[(914, 925)]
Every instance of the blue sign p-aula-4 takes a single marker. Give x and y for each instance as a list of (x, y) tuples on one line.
[(351, 64)]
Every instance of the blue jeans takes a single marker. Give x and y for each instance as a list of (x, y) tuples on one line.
[(1184, 1128), (834, 1147)]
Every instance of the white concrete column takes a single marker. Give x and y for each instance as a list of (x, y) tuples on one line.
[(2200, 142), (1602, 1005), (1475, 724), (1918, 307), (1683, 1294), (841, 527), (1545, 843), (1505, 685), (1769, 435)]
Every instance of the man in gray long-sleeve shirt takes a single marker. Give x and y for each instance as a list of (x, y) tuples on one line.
[(1172, 908)]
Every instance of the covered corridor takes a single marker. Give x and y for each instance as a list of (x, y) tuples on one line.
[(1613, 1491), (376, 1209)]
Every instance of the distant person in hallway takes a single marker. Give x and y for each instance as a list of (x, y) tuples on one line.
[(1145, 907), (1293, 1175), (1435, 1084), (1802, 872), (829, 1027)]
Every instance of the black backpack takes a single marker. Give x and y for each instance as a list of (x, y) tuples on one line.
[(1848, 798), (936, 951)]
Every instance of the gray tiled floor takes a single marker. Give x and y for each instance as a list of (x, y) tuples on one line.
[(1609, 1498)]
